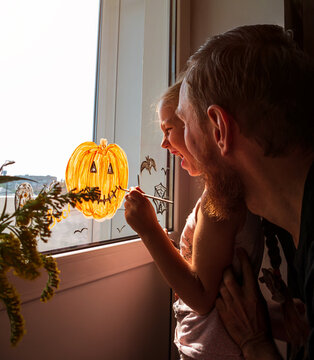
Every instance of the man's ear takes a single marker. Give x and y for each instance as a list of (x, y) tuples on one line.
[(221, 127)]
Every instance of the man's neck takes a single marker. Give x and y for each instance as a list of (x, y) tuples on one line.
[(274, 190)]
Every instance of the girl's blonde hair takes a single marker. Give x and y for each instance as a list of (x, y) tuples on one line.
[(171, 96)]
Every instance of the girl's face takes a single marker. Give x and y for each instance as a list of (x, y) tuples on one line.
[(173, 140)]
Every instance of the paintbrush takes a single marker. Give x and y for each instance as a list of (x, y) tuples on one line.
[(150, 196)]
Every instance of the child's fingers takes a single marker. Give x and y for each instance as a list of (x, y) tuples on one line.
[(130, 200), (136, 192), (139, 197), (127, 202), (140, 190)]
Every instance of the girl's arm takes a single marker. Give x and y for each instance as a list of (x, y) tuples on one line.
[(196, 283), (213, 249)]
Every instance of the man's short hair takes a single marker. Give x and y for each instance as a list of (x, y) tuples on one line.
[(263, 80)]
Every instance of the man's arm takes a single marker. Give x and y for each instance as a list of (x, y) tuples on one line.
[(243, 311)]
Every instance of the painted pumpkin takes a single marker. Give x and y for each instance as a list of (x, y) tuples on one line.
[(104, 166)]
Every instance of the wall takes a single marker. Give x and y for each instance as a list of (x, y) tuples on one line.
[(112, 304), (209, 17)]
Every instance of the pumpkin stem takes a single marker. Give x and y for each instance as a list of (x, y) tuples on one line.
[(103, 143)]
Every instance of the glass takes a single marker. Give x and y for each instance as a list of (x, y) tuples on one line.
[(47, 88), (76, 71)]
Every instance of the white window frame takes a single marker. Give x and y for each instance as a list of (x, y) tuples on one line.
[(92, 263), (117, 106)]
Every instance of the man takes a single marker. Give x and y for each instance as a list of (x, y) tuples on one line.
[(250, 92)]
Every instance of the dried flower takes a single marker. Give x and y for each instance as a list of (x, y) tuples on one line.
[(18, 246)]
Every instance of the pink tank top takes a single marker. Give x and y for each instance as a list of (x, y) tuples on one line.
[(204, 336)]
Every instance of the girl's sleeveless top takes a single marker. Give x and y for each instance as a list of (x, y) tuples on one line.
[(204, 336)]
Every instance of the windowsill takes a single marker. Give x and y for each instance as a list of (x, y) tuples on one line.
[(85, 266)]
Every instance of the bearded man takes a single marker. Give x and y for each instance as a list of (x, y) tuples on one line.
[(250, 93)]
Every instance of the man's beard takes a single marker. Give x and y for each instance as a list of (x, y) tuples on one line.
[(224, 189)]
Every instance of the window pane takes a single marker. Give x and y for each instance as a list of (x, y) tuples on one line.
[(48, 73), (139, 58), (47, 87)]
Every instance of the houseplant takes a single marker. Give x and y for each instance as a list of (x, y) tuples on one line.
[(20, 233)]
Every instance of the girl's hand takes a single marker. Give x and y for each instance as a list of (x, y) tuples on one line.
[(139, 212)]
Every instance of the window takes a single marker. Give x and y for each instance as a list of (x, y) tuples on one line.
[(54, 53)]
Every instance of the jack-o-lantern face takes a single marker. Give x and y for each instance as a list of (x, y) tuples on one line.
[(100, 166)]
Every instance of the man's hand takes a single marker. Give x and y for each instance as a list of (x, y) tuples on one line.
[(244, 313)]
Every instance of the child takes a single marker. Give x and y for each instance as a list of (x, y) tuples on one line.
[(206, 249)]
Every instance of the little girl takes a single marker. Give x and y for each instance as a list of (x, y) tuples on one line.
[(206, 249)]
